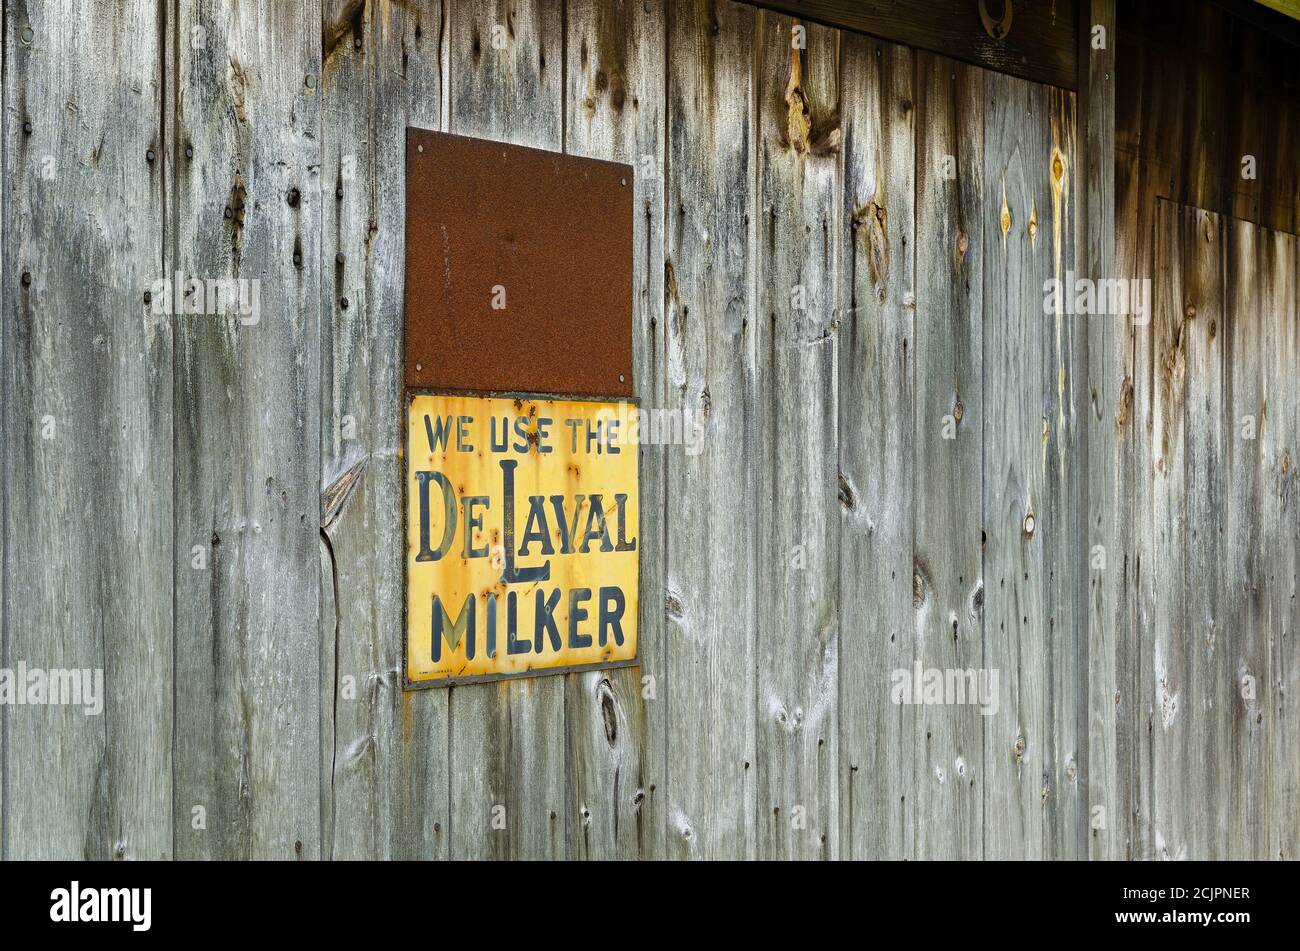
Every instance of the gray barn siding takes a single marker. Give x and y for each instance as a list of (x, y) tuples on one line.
[(828, 533)]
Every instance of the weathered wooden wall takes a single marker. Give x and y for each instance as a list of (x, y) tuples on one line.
[(841, 252), (1197, 442)]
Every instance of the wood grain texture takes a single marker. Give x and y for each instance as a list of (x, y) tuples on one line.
[(1018, 739), (508, 741), (875, 447), (711, 377), (1245, 599), (1064, 398), (815, 285), (1215, 776), (384, 750), (1203, 773), (87, 432), (1286, 581), (949, 432), (1107, 341), (247, 443), (614, 101), (1168, 661), (1035, 41), (1200, 90), (797, 520)]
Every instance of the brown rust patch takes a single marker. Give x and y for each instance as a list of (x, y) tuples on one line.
[(563, 256)]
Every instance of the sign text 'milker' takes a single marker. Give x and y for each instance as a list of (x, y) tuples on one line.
[(598, 436)]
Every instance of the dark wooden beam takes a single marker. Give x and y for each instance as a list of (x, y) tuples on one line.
[(1038, 41)]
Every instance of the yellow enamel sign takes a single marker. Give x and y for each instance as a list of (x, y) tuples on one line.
[(521, 537)]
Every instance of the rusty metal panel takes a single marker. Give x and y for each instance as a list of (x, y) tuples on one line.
[(522, 524), (518, 269)]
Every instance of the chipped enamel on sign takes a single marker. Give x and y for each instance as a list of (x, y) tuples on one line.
[(521, 537)]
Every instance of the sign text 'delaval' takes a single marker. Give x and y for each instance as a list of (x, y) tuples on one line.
[(522, 528)]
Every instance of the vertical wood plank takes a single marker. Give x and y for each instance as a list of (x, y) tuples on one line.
[(87, 431), (1246, 590), (385, 769), (1286, 662), (1205, 781), (508, 739), (876, 477), (1107, 337), (247, 442), (1135, 204), (711, 379), (1064, 398), (797, 753), (1018, 360), (949, 420), (614, 101), (1171, 720), (350, 685), (1278, 317)]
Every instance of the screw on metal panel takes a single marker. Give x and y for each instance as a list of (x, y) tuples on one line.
[(419, 148), (27, 35), (149, 155), (620, 378), (27, 126), (624, 181), (228, 213), (311, 81), (189, 151), (357, 42), (338, 258), (293, 197), (27, 278)]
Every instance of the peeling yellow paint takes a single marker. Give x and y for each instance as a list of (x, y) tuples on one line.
[(534, 491)]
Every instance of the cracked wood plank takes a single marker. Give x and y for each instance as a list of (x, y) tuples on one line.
[(385, 751)]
